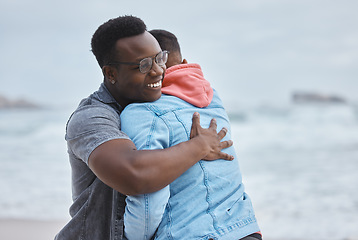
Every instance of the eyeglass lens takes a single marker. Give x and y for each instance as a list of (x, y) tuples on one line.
[(147, 63)]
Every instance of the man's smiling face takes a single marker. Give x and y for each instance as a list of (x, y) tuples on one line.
[(131, 85)]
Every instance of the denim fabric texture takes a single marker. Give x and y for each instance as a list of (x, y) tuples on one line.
[(97, 210), (208, 201)]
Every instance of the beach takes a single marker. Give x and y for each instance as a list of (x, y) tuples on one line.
[(16, 229)]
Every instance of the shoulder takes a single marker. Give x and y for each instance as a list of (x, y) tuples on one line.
[(89, 114), (163, 105), (216, 101)]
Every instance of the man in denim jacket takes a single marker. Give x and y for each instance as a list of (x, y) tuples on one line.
[(208, 201), (105, 163)]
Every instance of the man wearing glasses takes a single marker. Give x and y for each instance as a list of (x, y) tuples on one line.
[(105, 163)]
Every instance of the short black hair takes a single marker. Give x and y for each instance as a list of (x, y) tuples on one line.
[(167, 40), (104, 39)]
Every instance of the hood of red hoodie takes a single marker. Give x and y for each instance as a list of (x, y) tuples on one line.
[(187, 82)]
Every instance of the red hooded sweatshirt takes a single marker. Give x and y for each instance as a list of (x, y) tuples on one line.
[(187, 82)]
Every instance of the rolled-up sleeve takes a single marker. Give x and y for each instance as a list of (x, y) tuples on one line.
[(147, 130)]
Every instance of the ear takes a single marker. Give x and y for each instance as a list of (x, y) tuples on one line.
[(184, 61), (109, 74)]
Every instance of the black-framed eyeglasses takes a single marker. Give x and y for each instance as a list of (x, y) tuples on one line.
[(146, 64)]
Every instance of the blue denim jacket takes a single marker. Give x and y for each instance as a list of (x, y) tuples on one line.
[(208, 200)]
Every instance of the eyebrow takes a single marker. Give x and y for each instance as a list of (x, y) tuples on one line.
[(140, 59)]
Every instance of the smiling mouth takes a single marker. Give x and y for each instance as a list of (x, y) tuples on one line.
[(155, 85)]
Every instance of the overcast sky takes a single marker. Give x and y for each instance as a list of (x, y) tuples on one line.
[(252, 51)]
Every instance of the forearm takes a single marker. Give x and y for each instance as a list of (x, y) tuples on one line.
[(129, 171), (155, 169)]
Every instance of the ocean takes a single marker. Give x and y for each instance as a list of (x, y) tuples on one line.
[(299, 165)]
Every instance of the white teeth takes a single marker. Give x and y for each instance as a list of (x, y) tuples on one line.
[(154, 85)]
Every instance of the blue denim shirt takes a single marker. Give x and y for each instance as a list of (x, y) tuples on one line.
[(97, 210), (208, 200)]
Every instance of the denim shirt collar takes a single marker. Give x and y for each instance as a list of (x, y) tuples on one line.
[(103, 95)]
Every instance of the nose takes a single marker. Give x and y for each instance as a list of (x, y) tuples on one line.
[(157, 70)]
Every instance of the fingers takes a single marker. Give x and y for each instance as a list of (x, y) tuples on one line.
[(196, 118), (226, 156), (213, 124), (222, 133), (195, 124), (226, 144)]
